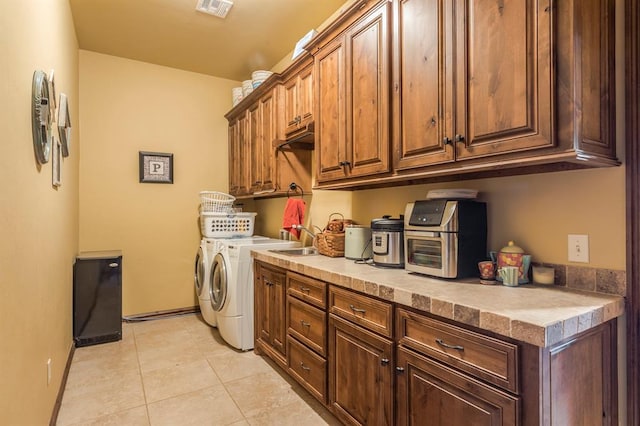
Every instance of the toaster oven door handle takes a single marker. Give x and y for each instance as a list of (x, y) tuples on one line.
[(423, 234)]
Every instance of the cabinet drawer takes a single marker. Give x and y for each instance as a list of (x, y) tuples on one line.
[(490, 359), (307, 323), (369, 313), (307, 289), (309, 369)]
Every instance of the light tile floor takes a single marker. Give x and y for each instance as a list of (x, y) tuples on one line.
[(179, 371)]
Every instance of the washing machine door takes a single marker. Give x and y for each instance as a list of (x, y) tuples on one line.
[(200, 272), (218, 283)]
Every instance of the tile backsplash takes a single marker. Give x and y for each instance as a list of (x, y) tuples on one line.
[(609, 281)]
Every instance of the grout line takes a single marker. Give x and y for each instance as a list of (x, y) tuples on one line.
[(144, 392)]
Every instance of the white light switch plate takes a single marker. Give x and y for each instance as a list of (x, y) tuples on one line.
[(578, 248)]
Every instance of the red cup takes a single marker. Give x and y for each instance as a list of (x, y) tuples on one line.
[(487, 270)]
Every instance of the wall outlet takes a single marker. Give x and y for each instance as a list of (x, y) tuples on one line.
[(48, 371), (578, 248)]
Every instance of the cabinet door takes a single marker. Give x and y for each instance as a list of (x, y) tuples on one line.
[(429, 390), (504, 78), (234, 145), (269, 123), (305, 94), (269, 310), (330, 111), (367, 92), (254, 143), (262, 310), (238, 156), (291, 104), (278, 313), (360, 374), (423, 83)]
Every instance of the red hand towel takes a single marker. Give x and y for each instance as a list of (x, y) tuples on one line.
[(293, 215)]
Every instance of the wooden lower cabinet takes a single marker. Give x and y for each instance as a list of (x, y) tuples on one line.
[(372, 362), (360, 374), (269, 306), (430, 393)]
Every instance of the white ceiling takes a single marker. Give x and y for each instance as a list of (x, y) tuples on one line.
[(256, 34)]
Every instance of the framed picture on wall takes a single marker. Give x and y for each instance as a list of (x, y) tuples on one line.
[(155, 167), (56, 178)]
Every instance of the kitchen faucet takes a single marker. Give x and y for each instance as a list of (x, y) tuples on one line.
[(302, 228)]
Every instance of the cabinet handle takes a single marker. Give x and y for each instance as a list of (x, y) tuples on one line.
[(304, 367), (305, 289), (443, 344), (269, 283), (446, 141), (344, 163), (354, 309), (305, 324), (459, 138), (384, 361), (113, 265), (400, 369)]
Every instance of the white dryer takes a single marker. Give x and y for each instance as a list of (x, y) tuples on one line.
[(209, 247), (206, 252), (231, 289)]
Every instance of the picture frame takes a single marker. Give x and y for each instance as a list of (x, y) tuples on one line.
[(155, 167), (56, 169), (64, 124)]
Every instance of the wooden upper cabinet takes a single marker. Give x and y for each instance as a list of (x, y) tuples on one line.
[(238, 155), (330, 112), (471, 83), (268, 133), (504, 80), (423, 89), (254, 141), (298, 98), (353, 99)]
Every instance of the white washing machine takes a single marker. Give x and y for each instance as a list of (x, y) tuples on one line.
[(231, 289), (209, 247)]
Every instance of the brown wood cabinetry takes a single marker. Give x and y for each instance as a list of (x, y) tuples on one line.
[(445, 371), (256, 166), (479, 89), (307, 333), (270, 316), (372, 362), (352, 94), (360, 361), (502, 97), (298, 97), (238, 156), (430, 390)]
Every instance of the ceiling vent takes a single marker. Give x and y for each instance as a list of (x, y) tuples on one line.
[(218, 8)]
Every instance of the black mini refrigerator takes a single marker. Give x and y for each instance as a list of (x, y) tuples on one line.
[(97, 297)]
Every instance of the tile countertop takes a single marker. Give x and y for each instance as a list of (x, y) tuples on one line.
[(536, 314)]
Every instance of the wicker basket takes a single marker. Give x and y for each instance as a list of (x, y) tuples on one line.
[(330, 240), (330, 243), (337, 225), (216, 202)]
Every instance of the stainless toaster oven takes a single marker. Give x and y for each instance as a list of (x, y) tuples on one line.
[(445, 238)]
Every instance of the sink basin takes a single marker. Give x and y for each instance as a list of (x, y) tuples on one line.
[(302, 251)]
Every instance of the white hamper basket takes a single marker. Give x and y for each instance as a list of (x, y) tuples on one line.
[(212, 201), (226, 225)]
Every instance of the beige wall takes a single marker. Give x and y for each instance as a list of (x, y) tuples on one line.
[(130, 106), (38, 223)]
